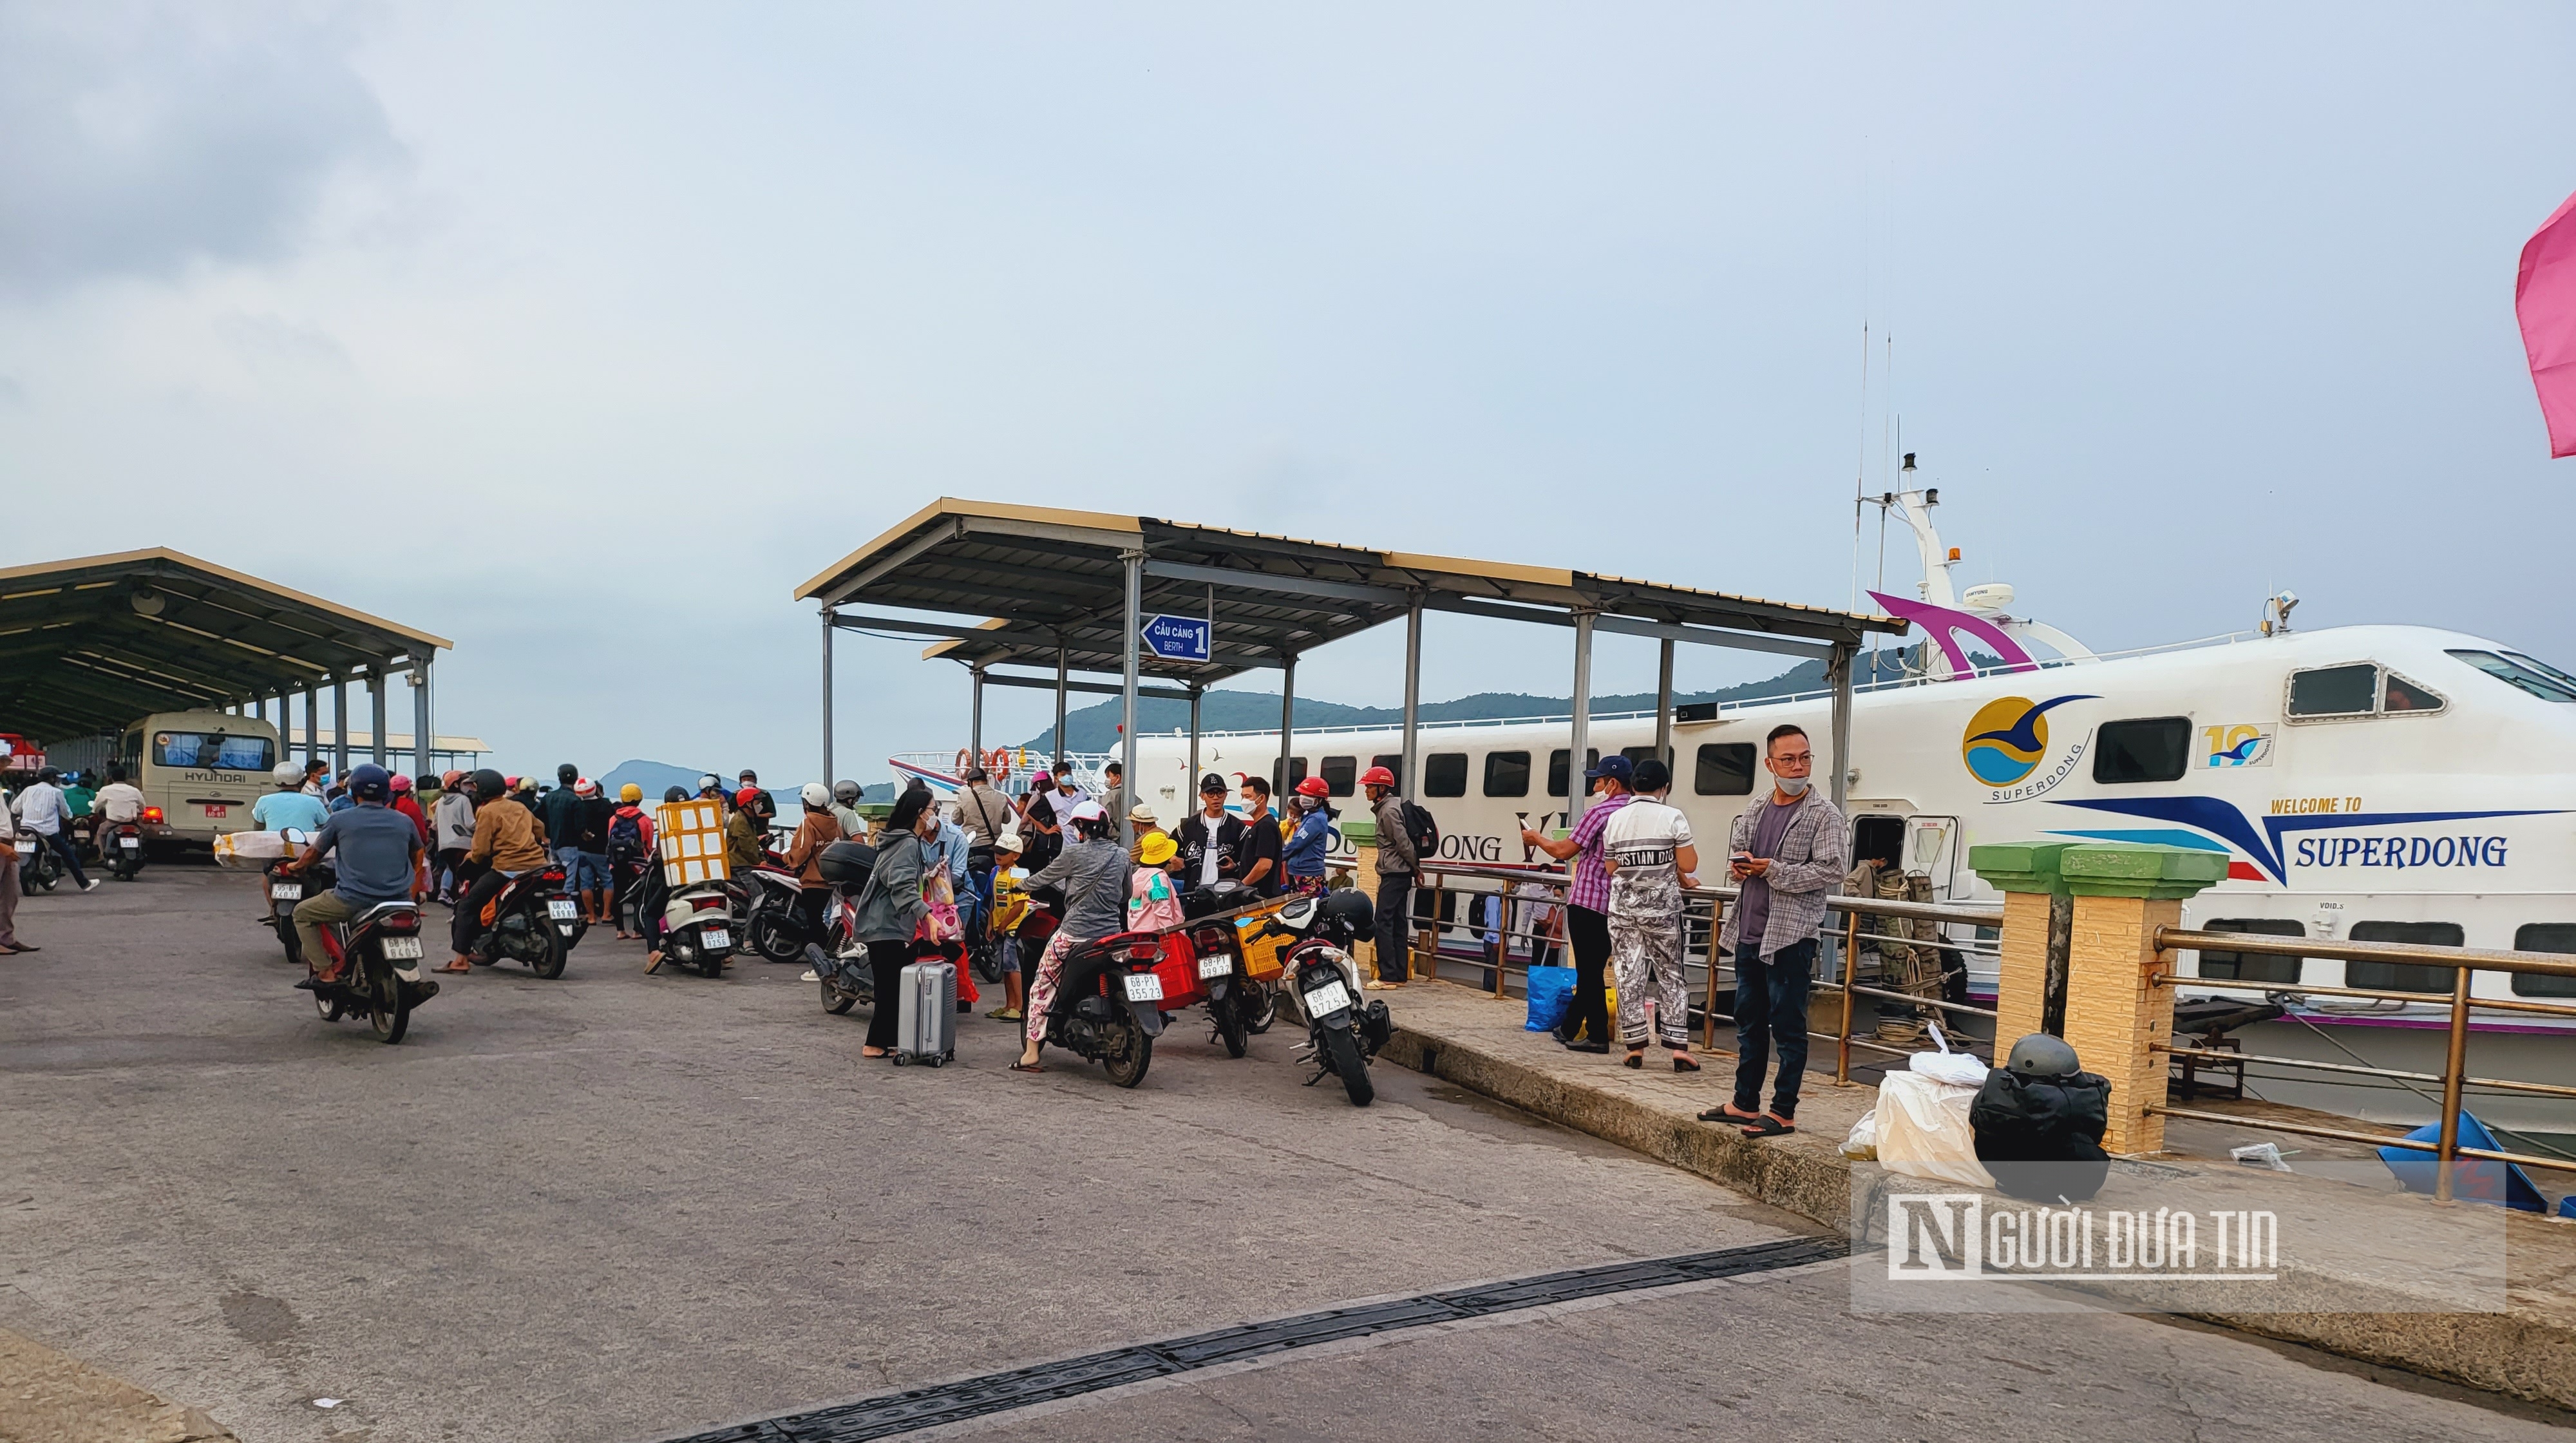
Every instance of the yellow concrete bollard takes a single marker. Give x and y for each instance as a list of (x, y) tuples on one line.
[(2114, 1017)]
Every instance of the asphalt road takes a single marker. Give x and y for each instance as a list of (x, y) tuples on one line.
[(626, 1207)]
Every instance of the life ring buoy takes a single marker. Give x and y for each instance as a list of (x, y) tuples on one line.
[(965, 759), (998, 760)]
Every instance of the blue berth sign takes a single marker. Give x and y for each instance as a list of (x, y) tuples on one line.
[(1178, 638)]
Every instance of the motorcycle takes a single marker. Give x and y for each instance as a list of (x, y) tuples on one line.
[(1342, 1035), (697, 929), (773, 914), (285, 889), (120, 844), (42, 869), (531, 920), (845, 977), (1237, 1005), (378, 954), (1108, 1000)]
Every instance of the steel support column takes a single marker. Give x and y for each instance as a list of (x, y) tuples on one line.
[(1577, 798), (312, 725), (975, 718), (827, 695), (1060, 748), (421, 736), (376, 744), (1190, 782), (1407, 784), (1664, 704), (1135, 568), (1287, 725), (1838, 671), (339, 724)]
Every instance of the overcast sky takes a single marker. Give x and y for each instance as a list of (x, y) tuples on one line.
[(582, 335)]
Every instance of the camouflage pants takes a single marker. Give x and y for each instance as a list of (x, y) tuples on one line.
[(1646, 957)]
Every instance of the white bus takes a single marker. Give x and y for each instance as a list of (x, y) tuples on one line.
[(203, 769)]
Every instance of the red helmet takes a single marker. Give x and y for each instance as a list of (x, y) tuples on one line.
[(1377, 777), (1313, 787), (746, 796)]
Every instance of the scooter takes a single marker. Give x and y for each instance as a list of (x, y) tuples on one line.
[(377, 954), (285, 889), (42, 869), (1341, 1035), (530, 919), (120, 844), (1237, 1005), (773, 915), (697, 929), (1108, 1000), (845, 978)]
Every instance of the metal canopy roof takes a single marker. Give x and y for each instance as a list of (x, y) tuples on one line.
[(1046, 577), (94, 643)]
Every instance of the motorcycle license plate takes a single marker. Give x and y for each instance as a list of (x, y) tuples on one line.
[(1144, 987), (714, 937), (561, 909), (129, 843), (402, 949), (1218, 966), (286, 891), (1328, 999)]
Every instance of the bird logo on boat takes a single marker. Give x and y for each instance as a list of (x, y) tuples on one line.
[(2007, 738)]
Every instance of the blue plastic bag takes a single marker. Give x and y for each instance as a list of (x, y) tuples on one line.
[(2473, 1179), (1551, 991)]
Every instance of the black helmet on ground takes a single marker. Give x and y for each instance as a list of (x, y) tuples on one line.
[(489, 784), (2040, 1055)]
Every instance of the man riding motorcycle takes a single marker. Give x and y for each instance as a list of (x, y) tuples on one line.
[(506, 844), (378, 860), (1093, 876)]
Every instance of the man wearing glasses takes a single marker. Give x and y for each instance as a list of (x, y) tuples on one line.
[(1788, 855)]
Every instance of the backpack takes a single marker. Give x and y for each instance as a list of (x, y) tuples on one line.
[(1419, 826), (626, 837)]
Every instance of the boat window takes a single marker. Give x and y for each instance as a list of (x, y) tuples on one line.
[(2334, 690), (1507, 774), (2150, 749), (2403, 695), (1296, 773), (2404, 976), (2544, 937), (1393, 762), (1341, 775), (1725, 770), (2514, 674), (1444, 774), (1556, 768), (2217, 965)]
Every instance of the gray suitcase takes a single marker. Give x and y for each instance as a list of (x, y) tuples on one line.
[(925, 1016)]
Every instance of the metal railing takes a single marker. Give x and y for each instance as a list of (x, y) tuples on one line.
[(2464, 963), (1704, 910)]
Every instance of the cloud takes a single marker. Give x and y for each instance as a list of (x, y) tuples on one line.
[(138, 138)]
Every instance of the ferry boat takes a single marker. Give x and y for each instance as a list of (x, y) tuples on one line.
[(2366, 783)]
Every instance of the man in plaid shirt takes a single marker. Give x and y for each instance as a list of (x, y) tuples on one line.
[(1587, 904), (1788, 855)]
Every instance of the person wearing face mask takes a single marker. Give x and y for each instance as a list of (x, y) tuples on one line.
[(1788, 854)]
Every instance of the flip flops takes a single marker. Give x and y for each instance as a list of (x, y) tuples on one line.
[(1725, 1112), (1028, 1067), (1768, 1126), (1685, 1064)]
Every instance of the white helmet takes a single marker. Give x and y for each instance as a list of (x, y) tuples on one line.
[(816, 795), (287, 774), (1087, 811)]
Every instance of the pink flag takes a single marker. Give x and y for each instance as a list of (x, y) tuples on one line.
[(2544, 299)]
